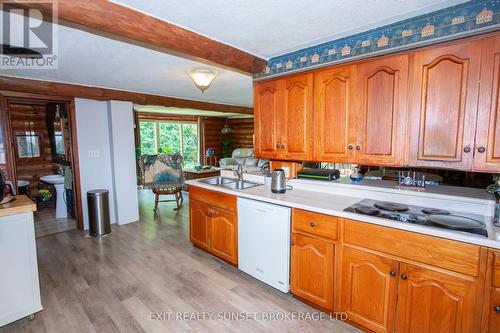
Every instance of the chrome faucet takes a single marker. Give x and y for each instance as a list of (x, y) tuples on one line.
[(238, 172), (495, 190)]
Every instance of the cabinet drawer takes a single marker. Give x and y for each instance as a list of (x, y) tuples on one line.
[(455, 256), (215, 198), (314, 223)]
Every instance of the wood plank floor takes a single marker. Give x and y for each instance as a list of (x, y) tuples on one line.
[(114, 283)]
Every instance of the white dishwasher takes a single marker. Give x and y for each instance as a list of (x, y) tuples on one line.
[(264, 242)]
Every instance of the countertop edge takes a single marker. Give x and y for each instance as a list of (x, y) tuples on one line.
[(21, 205), (475, 240)]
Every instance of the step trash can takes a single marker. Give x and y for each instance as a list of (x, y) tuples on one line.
[(98, 206)]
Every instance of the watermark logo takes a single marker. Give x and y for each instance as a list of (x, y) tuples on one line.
[(28, 34)]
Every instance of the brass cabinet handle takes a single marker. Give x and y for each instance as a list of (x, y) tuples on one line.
[(277, 145), (392, 273), (404, 277), (350, 147), (358, 147), (282, 146), (497, 309), (467, 149), (312, 224), (481, 150), (292, 243)]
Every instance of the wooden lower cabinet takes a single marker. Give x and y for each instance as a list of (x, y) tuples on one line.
[(199, 224), (369, 287), (432, 301), (492, 293), (214, 229), (494, 311), (312, 267), (224, 235)]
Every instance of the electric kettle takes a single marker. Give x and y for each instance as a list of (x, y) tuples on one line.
[(278, 181)]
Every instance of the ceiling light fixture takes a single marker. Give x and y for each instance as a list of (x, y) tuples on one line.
[(202, 78)]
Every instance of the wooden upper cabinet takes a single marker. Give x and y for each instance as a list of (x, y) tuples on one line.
[(444, 94), (487, 148), (369, 284), (297, 118), (431, 301), (381, 117), (334, 97), (266, 102)]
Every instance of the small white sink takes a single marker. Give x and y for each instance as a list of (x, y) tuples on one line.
[(53, 179), (58, 182)]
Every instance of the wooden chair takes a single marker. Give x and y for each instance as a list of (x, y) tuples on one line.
[(164, 175), (176, 191)]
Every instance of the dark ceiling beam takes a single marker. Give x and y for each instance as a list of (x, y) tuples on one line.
[(122, 23), (8, 83)]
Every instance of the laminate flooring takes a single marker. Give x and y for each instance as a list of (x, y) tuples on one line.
[(147, 277)]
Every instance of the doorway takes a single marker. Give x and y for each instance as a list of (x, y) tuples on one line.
[(40, 161)]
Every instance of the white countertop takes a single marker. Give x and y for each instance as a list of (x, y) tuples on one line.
[(332, 199)]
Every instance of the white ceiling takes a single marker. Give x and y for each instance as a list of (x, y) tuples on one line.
[(89, 59), (269, 28), (263, 28)]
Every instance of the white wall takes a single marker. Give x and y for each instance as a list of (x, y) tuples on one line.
[(121, 129), (94, 151)]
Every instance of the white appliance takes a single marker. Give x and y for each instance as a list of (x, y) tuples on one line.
[(264, 242), (19, 286)]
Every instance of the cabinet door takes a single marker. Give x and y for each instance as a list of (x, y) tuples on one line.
[(494, 311), (381, 122), (224, 234), (334, 98), (297, 117), (443, 100), (369, 289), (267, 132), (312, 270), (487, 148), (199, 224), (431, 301)]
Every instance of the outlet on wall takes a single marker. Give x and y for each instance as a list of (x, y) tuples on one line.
[(93, 153), (287, 171)]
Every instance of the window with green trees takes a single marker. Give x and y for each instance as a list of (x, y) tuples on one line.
[(167, 137)]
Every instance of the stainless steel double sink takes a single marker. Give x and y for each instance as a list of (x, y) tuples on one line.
[(229, 183)]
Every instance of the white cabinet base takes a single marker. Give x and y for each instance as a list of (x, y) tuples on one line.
[(19, 284)]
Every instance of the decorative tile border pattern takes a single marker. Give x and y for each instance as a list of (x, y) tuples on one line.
[(448, 23)]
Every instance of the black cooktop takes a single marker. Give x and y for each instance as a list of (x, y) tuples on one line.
[(431, 217)]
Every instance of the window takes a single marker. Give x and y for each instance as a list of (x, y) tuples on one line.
[(168, 137)]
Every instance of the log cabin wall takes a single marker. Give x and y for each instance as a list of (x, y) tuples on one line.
[(242, 134), (25, 118), (211, 135)]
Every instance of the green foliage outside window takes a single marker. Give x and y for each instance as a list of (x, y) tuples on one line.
[(173, 137)]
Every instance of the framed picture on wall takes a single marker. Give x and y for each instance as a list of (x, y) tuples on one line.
[(28, 145)]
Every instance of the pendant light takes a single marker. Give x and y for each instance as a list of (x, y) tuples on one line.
[(226, 129), (202, 78)]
